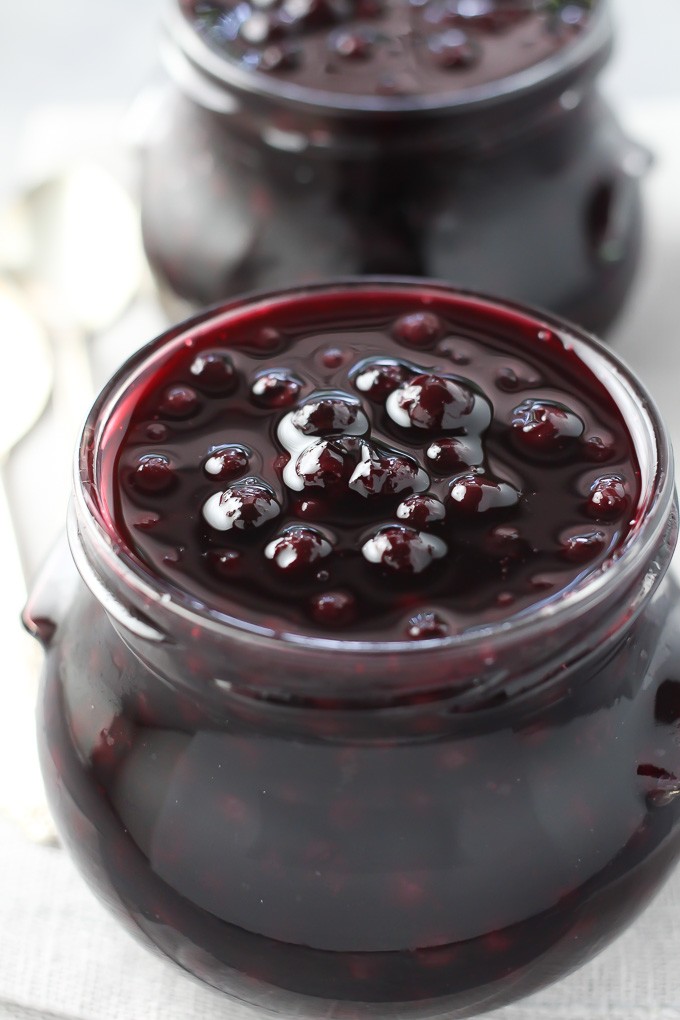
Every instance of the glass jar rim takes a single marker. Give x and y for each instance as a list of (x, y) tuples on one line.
[(565, 607), (590, 48)]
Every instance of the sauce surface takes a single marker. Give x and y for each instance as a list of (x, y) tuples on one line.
[(388, 47), (380, 466)]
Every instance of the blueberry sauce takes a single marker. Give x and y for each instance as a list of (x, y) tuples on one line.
[(423, 827), (388, 47), (394, 455)]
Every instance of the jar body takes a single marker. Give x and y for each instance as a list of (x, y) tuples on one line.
[(545, 212), (407, 861)]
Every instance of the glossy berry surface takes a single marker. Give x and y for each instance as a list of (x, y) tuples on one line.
[(545, 427), (298, 548), (153, 474), (394, 476), (388, 47), (608, 499), (214, 372), (275, 389), (227, 462), (247, 505), (431, 402)]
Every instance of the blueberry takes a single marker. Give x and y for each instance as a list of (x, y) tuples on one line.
[(179, 402), (324, 464), (276, 388), (226, 563), (421, 510), (545, 427), (227, 462), (157, 432), (352, 44), (376, 378), (154, 473), (214, 372), (608, 498), (452, 49), (425, 626), (418, 329), (475, 493), (403, 550), (333, 608), (582, 546), (450, 455), (383, 472), (249, 504), (325, 415), (431, 402), (298, 548)]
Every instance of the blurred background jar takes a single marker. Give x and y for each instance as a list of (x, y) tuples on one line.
[(460, 139)]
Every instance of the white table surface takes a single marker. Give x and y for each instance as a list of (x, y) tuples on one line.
[(62, 956)]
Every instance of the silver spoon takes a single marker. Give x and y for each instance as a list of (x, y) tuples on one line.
[(73, 242), (73, 245), (27, 376)]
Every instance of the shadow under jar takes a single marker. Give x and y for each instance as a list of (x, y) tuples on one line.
[(433, 795), (459, 139)]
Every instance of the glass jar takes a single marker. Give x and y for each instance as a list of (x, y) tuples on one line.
[(319, 825), (524, 187)]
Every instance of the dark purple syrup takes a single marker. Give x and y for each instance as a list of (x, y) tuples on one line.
[(388, 47), (384, 465)]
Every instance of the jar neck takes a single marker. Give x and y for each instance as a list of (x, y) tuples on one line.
[(297, 119), (194, 647)]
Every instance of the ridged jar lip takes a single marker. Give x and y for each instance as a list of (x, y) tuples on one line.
[(591, 48), (617, 575)]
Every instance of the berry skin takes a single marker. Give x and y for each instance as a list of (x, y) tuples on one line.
[(377, 378), (244, 506), (426, 626), (545, 427), (333, 608), (228, 462), (214, 372), (452, 49), (475, 494), (326, 415), (355, 44), (418, 329), (419, 511), (332, 358), (157, 432), (324, 464), (226, 563), (275, 389), (179, 402), (154, 473), (431, 402), (599, 448), (608, 498), (582, 546), (403, 550), (298, 548), (450, 455), (385, 473), (506, 544)]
